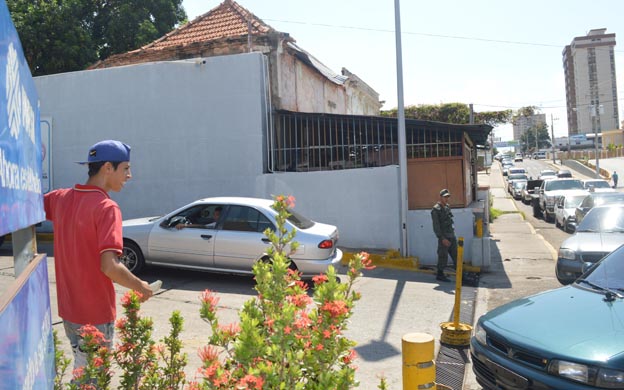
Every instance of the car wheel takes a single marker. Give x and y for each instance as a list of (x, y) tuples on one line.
[(132, 257), (1, 240), (557, 224)]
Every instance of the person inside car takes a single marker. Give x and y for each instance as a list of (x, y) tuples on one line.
[(204, 220)]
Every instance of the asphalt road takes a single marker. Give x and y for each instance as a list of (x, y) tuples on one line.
[(553, 235)]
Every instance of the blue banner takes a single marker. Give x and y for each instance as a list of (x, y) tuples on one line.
[(21, 201), (26, 340)]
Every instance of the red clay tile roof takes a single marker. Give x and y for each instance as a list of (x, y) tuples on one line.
[(226, 20)]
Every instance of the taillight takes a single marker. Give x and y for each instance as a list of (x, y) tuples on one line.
[(326, 244)]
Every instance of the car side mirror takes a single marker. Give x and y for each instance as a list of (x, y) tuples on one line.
[(572, 226), (586, 266)]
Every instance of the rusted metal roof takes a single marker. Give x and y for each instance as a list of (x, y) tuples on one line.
[(309, 59)]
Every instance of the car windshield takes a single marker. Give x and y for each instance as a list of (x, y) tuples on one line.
[(557, 185), (548, 173), (299, 220), (518, 176), (603, 220), (608, 197), (608, 273), (597, 184), (574, 201)]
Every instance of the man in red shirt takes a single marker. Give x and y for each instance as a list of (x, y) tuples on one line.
[(87, 244)]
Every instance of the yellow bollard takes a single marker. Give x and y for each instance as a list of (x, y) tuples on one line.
[(456, 333), (479, 230), (419, 370)]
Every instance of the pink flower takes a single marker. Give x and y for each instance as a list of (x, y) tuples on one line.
[(290, 202), (210, 299), (335, 308), (367, 263), (319, 279), (348, 359), (208, 354), (251, 382), (287, 329), (230, 329)]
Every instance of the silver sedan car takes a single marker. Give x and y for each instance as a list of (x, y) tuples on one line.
[(600, 233), (225, 235)]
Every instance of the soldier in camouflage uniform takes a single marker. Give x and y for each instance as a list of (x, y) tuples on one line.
[(442, 219)]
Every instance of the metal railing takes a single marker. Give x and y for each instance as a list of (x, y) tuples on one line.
[(305, 142)]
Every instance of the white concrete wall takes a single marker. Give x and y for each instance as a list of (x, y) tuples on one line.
[(196, 129), (363, 203), (423, 242)]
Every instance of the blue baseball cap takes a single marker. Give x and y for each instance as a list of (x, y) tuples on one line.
[(109, 150)]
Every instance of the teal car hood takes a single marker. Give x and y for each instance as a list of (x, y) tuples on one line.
[(569, 323)]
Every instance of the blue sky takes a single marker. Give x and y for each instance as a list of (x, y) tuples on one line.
[(492, 53)]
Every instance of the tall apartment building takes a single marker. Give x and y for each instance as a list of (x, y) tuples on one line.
[(523, 123), (591, 89)]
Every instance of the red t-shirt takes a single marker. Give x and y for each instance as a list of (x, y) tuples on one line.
[(86, 224)]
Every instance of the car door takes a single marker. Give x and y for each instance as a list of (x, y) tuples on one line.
[(191, 247), (241, 240)]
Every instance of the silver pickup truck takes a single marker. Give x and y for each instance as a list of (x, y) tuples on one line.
[(551, 190)]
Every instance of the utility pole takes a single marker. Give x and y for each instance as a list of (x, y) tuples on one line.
[(403, 201), (595, 113), (552, 135)]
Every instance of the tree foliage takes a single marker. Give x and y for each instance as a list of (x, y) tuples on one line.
[(67, 35), (458, 113), (527, 140)]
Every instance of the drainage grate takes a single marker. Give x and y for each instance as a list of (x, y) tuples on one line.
[(451, 361)]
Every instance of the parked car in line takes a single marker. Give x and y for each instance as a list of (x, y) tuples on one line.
[(517, 187), (547, 174), (530, 194), (231, 243), (598, 234), (598, 185), (506, 165), (511, 178), (551, 190), (595, 199), (568, 338), (564, 173), (516, 170), (565, 209)]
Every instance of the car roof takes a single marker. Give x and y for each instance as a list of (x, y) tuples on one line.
[(259, 202)]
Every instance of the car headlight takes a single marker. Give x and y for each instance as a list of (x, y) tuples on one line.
[(569, 370), (565, 253), (610, 379), (480, 335)]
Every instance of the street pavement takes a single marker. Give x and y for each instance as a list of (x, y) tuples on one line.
[(394, 301)]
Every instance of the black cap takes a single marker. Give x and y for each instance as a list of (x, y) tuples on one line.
[(445, 192)]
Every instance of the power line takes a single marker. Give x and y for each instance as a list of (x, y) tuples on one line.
[(509, 42)]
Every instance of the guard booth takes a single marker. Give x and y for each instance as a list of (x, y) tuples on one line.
[(26, 340)]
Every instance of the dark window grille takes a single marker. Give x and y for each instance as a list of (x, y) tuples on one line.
[(316, 142)]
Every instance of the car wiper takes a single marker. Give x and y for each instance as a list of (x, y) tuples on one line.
[(610, 295)]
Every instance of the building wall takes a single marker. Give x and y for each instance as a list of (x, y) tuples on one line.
[(591, 81), (192, 127), (198, 130), (524, 123)]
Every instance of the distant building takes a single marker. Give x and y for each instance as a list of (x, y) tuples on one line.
[(591, 89), (523, 123)]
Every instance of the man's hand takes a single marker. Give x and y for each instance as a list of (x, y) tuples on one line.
[(446, 242), (118, 273)]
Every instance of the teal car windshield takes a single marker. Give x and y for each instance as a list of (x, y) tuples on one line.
[(608, 273)]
